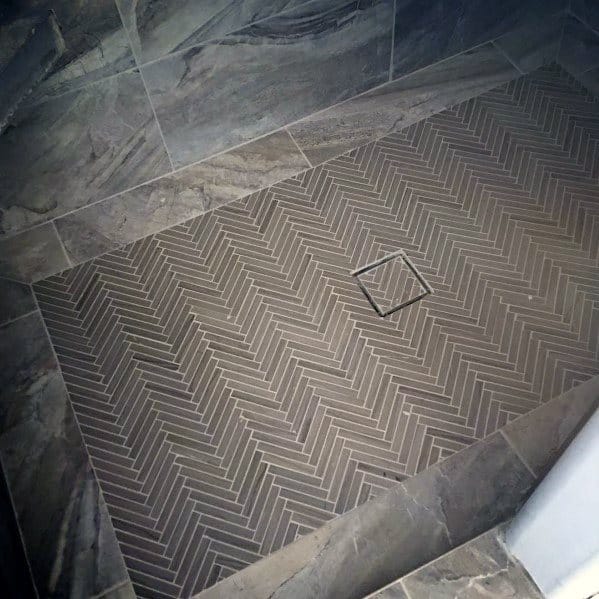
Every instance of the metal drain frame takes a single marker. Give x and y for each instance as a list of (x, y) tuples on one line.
[(398, 254)]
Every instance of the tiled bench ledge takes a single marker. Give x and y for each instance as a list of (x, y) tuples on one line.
[(176, 196), (422, 519)]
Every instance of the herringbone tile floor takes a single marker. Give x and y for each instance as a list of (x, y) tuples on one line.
[(234, 387)]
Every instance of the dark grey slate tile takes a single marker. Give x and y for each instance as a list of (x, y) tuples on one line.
[(16, 299), (532, 47), (158, 27), (32, 255), (579, 49), (396, 105), (67, 533), (590, 79), (478, 569), (587, 11), (414, 523), (229, 91), (543, 434), (122, 591), (77, 148), (174, 198), (96, 42), (429, 30)]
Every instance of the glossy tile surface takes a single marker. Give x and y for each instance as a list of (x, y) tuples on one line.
[(398, 104), (32, 255), (159, 27), (155, 206), (68, 536), (226, 92), (238, 389), (77, 148), (429, 30)]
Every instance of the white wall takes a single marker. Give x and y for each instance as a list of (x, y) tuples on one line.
[(556, 534)]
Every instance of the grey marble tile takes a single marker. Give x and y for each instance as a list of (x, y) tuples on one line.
[(78, 148), (68, 536), (579, 49), (429, 30), (384, 539), (481, 568), (226, 92), (543, 434), (32, 255), (590, 79), (395, 591), (158, 27), (533, 47), (587, 11), (174, 198), (398, 104), (95, 39), (16, 299), (122, 591)]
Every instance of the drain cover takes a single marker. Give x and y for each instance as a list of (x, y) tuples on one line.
[(391, 283)]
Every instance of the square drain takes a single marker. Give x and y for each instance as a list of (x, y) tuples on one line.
[(391, 283)]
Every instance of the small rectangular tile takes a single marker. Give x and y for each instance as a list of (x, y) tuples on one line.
[(157, 28), (431, 30), (32, 255), (543, 434), (579, 49), (392, 107), (16, 299), (96, 43), (66, 529), (174, 198), (226, 92), (532, 47), (78, 148)]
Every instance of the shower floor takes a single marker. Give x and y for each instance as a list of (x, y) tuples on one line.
[(235, 388)]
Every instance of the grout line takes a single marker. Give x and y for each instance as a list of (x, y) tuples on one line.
[(64, 249), (19, 529), (517, 452), (143, 81), (392, 57), (403, 587), (561, 37), (506, 56), (114, 587), (299, 148), (11, 320)]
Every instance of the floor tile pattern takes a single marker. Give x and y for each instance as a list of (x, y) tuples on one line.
[(235, 388)]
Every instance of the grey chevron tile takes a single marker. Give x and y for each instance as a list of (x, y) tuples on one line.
[(235, 388)]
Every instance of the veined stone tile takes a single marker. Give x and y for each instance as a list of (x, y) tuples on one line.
[(66, 529), (392, 107), (16, 299), (532, 47), (32, 255), (77, 148), (239, 87), (174, 198), (429, 30), (579, 50), (587, 11), (158, 27), (96, 42)]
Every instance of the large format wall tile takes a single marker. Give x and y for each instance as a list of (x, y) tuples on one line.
[(16, 299), (401, 103), (429, 30), (587, 11), (158, 27), (67, 532), (32, 255), (579, 50), (174, 198), (229, 91), (95, 39), (77, 148)]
